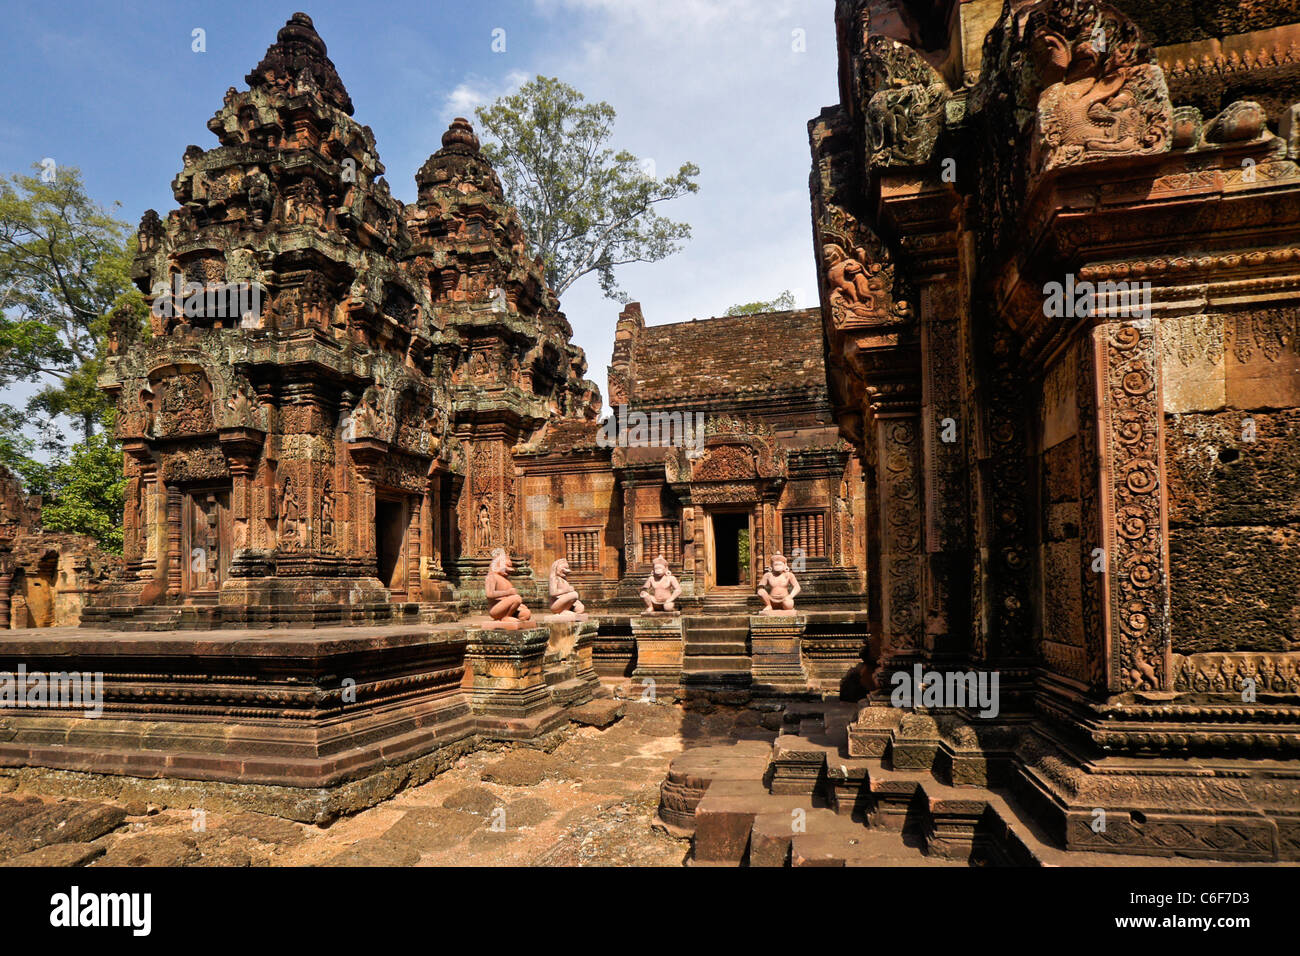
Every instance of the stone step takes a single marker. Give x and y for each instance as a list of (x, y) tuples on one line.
[(693, 664), (713, 632), (725, 816), (716, 649), (730, 622), (850, 844), (692, 772)]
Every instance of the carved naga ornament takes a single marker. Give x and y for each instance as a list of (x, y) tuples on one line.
[(1102, 94)]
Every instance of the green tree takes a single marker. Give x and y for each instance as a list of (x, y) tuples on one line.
[(586, 208), (782, 303), (64, 266), (86, 494)]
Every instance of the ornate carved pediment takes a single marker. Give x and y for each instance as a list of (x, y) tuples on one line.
[(738, 459), (726, 463), (181, 405)]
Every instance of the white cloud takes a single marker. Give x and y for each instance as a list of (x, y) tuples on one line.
[(476, 91)]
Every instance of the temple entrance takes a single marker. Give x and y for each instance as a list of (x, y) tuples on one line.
[(728, 550), (205, 529), (390, 540)]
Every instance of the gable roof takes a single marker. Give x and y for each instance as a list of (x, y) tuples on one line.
[(766, 352)]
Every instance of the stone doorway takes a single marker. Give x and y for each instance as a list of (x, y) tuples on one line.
[(390, 542), (205, 540), (729, 551)]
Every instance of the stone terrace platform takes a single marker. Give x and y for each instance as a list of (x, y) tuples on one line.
[(303, 723)]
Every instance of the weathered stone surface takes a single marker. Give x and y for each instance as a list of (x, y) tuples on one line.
[(381, 852), (597, 713), (1234, 468), (432, 828), (58, 855), (527, 812), (1235, 589), (71, 821), (152, 849), (478, 800), (521, 768), (262, 828)]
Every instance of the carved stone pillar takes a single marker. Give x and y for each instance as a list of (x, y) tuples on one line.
[(174, 556), (901, 556), (945, 429), (241, 447), (432, 529), (413, 548), (1131, 507), (6, 583), (366, 454)]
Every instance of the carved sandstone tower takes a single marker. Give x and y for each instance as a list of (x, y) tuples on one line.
[(290, 427), (515, 369)]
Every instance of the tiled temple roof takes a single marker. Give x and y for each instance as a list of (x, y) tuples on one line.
[(766, 352)]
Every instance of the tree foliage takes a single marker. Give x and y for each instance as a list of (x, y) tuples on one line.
[(586, 207), (84, 493), (64, 266), (88, 492), (782, 303), (64, 269)]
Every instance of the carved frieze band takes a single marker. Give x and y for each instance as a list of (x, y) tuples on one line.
[(1276, 673)]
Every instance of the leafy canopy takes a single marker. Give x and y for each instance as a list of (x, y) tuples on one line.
[(64, 266), (782, 303), (84, 494), (585, 207)]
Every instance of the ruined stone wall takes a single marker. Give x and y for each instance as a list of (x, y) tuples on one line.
[(46, 577)]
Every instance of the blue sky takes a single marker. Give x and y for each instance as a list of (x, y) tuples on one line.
[(114, 88)]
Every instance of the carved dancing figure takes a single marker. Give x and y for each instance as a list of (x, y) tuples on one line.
[(564, 597), (505, 605), (661, 589), (779, 588)]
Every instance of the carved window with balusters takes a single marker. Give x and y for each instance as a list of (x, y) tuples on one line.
[(582, 549), (661, 537), (805, 530)]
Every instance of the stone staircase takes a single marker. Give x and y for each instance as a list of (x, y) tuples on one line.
[(800, 800), (716, 654)]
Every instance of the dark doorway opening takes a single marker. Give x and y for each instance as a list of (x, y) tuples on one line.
[(390, 531), (731, 549)]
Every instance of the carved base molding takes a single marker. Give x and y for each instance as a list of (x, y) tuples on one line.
[(303, 723), (1238, 805), (776, 650), (291, 722), (1229, 809), (508, 690), (307, 601), (660, 647)]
